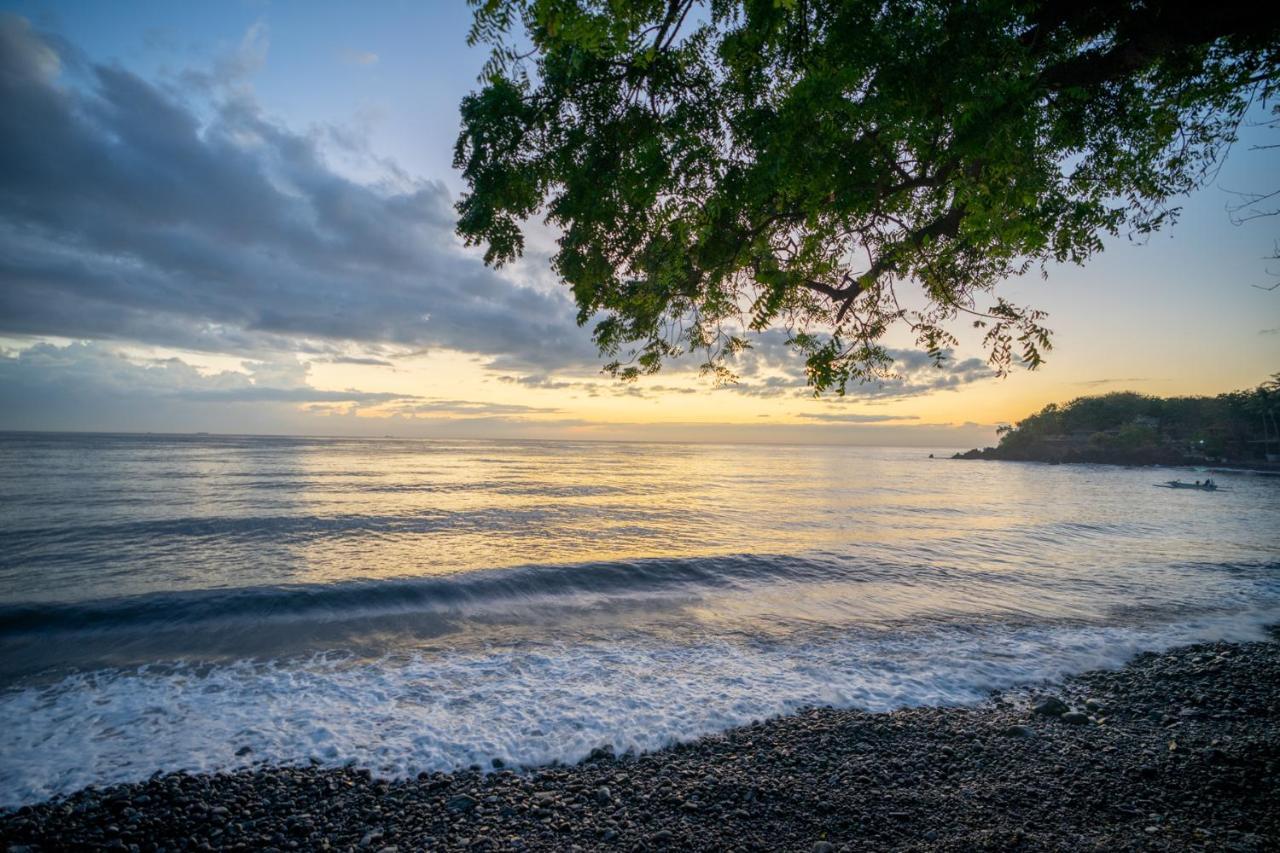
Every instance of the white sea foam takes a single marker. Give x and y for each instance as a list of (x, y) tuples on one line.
[(399, 716)]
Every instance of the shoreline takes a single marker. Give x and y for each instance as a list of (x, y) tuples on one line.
[(1177, 750), (1119, 460)]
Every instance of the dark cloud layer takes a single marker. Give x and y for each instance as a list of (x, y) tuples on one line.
[(177, 214), (129, 212)]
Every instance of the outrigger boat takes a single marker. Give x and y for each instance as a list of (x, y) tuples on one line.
[(1206, 486)]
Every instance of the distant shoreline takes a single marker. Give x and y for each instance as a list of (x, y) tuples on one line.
[(1177, 749), (997, 454)]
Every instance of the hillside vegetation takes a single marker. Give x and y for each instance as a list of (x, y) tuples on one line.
[(1136, 429)]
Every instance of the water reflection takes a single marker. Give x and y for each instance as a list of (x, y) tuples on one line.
[(87, 517)]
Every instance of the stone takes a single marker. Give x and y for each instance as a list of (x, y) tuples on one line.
[(461, 804), (1050, 706), (1075, 718)]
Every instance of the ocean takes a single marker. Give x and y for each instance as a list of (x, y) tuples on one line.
[(206, 603)]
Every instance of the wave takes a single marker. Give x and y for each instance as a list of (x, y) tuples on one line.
[(477, 591), (464, 591), (528, 704)]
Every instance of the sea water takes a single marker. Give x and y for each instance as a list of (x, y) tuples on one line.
[(207, 602)]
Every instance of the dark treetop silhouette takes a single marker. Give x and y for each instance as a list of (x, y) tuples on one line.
[(722, 167)]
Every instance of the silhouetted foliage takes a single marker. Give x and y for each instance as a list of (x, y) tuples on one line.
[(722, 167), (1134, 428)]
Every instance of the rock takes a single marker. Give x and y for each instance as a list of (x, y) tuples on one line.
[(823, 847), (1075, 718), (243, 751), (370, 837), (603, 795), (662, 836), (461, 804), (1050, 706), (544, 798), (1018, 731)]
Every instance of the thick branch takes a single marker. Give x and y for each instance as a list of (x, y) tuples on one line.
[(1147, 36), (947, 225)]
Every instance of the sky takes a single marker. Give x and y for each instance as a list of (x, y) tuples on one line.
[(238, 217)]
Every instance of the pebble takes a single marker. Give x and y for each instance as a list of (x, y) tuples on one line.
[(1050, 706), (461, 803)]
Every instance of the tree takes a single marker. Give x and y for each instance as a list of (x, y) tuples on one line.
[(837, 167)]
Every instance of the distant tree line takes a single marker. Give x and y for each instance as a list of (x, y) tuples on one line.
[(1129, 428)]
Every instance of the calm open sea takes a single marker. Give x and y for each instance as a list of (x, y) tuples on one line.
[(207, 602)]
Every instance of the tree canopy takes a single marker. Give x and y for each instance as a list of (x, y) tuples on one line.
[(840, 167)]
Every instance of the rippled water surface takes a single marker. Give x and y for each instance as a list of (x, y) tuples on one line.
[(408, 605)]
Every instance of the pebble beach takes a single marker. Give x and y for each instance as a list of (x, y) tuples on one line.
[(1176, 751)]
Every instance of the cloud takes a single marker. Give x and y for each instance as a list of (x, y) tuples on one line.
[(1275, 331), (851, 418), (355, 359), (456, 408), (1094, 383), (539, 380), (93, 386), (772, 369), (90, 371), (359, 57), (131, 213), (598, 387)]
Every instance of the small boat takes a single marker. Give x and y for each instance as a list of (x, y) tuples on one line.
[(1206, 486)]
